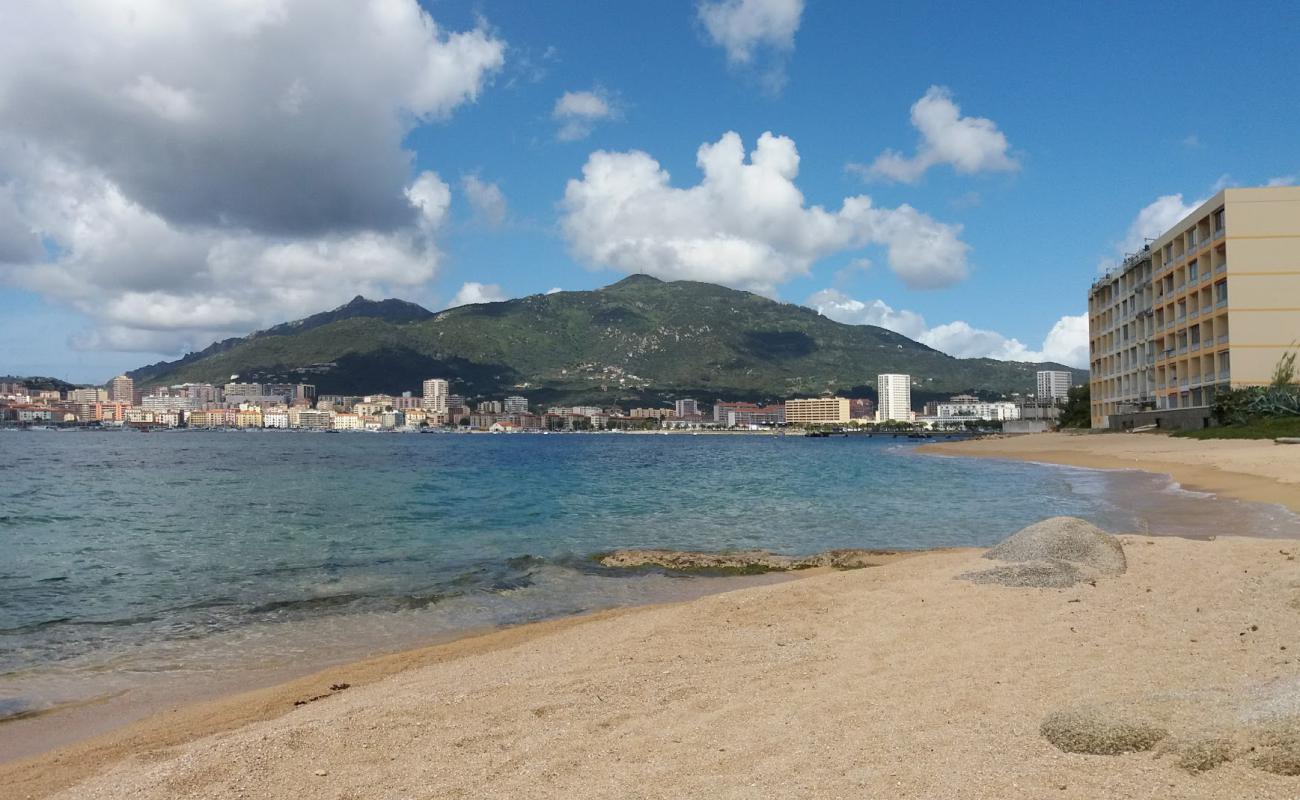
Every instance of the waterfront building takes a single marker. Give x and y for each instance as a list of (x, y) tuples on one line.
[(121, 390), (276, 418), (996, 411), (36, 414), (435, 395), (237, 392), (392, 419), (817, 410), (1054, 384), (205, 419), (515, 405), (893, 398), (1210, 305), (346, 422), (490, 407), (482, 422), (686, 407), (335, 402), (89, 395), (732, 414), (862, 408), (650, 413), (248, 418), (313, 419), (745, 415)]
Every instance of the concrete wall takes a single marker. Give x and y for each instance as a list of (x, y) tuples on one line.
[(1025, 426), (1174, 419)]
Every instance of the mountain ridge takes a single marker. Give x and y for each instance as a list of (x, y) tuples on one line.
[(638, 339)]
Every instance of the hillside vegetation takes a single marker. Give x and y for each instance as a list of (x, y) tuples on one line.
[(638, 339)]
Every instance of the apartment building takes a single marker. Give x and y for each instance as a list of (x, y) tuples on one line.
[(817, 410), (435, 395), (1210, 305), (686, 407), (894, 398), (1054, 384), (121, 390)]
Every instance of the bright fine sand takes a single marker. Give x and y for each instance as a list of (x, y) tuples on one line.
[(1247, 469), (894, 681)]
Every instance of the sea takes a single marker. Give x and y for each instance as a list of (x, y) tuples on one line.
[(133, 563)]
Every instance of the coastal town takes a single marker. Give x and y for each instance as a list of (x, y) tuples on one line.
[(248, 405)]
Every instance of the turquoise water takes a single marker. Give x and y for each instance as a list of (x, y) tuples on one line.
[(125, 556)]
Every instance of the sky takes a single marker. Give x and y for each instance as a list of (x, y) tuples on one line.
[(172, 173)]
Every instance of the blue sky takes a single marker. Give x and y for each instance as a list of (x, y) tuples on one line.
[(192, 212)]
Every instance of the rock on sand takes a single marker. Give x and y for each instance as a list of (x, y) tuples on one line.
[(1055, 553)]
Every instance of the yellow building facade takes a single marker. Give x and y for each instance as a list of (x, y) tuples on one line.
[(1212, 304), (817, 410)]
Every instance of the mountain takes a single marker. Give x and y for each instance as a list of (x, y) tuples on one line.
[(640, 339)]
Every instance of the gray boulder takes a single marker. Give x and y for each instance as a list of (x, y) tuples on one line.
[(1055, 553)]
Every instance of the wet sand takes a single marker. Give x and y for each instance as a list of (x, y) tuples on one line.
[(895, 681), (1253, 470)]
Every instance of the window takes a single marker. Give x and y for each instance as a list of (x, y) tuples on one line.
[(1221, 293)]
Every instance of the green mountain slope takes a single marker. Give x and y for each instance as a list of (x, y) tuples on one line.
[(638, 339)]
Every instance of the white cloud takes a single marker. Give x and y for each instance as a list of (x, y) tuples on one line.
[(474, 292), (744, 225), (745, 27), (172, 201), (968, 144), (487, 200), (1192, 142), (578, 113), (553, 290), (1066, 342), (1282, 180), (1151, 221)]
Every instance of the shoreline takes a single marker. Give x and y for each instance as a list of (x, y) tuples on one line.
[(777, 690), (169, 719), (171, 726), (1250, 470)]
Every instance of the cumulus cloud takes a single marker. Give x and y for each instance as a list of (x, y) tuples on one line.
[(474, 292), (968, 144), (487, 200), (745, 224), (578, 112), (747, 28), (174, 201), (1153, 220), (1066, 342)]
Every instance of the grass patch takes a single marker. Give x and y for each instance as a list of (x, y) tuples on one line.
[(1271, 428)]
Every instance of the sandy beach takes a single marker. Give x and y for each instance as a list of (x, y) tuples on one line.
[(1246, 469), (893, 681)]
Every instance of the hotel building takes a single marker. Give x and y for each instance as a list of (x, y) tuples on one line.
[(1210, 305), (817, 410), (894, 398)]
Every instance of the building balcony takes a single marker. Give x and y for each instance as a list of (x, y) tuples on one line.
[(1222, 303), (1194, 313), (1222, 267), (1218, 233), (1223, 375), (1195, 346)]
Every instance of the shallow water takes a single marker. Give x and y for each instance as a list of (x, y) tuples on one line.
[(127, 560)]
